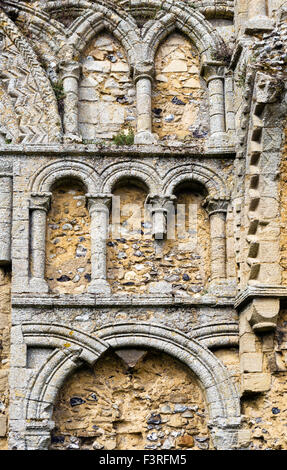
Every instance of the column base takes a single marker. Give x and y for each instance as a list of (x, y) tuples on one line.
[(38, 285), (220, 140), (72, 139), (145, 138), (99, 286), (259, 23), (222, 287)]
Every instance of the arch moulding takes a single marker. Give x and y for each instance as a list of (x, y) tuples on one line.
[(73, 347)]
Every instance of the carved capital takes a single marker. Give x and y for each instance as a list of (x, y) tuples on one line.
[(159, 207), (143, 70), (263, 314), (98, 202), (40, 201), (70, 69), (213, 70), (160, 202), (213, 205)]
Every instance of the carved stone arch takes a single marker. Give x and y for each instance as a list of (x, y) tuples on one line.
[(209, 8), (220, 392), (187, 20), (128, 170), (45, 178), (74, 346), (39, 23), (100, 17), (213, 183), (48, 96)]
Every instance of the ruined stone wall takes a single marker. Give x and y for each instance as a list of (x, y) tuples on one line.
[(106, 93), (136, 261), (180, 108), (155, 404), (138, 340), (68, 256), (5, 325)]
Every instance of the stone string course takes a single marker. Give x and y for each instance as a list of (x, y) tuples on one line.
[(166, 110)]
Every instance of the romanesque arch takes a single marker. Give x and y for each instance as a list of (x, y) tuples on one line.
[(74, 346)]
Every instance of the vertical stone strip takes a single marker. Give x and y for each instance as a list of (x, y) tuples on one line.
[(217, 216), (143, 79), (98, 205), (70, 72), (39, 206), (213, 73), (258, 17), (160, 207), (5, 218), (216, 104)]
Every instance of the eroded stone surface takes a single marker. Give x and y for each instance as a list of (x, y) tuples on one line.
[(155, 405)]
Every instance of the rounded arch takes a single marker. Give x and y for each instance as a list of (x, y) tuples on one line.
[(221, 395), (178, 16), (74, 346), (214, 184), (117, 172), (46, 178), (98, 18)]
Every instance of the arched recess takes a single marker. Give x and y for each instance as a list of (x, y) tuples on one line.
[(187, 20), (107, 105), (213, 183), (216, 205), (75, 346), (42, 184)]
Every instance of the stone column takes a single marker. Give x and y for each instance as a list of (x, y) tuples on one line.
[(98, 205), (163, 224), (5, 218), (70, 73), (214, 76), (258, 19), (39, 206), (217, 216), (160, 207), (143, 79)]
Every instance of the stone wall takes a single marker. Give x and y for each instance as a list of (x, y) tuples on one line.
[(106, 93), (68, 257), (130, 332), (136, 262), (151, 402), (5, 325), (180, 108)]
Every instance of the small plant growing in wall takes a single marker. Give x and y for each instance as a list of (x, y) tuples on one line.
[(60, 94), (222, 54), (124, 139)]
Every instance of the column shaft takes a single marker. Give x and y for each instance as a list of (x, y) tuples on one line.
[(5, 218), (70, 77), (218, 245), (257, 8), (99, 212), (144, 121), (39, 206), (216, 105)]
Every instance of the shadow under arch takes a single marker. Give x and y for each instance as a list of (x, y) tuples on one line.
[(73, 347)]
